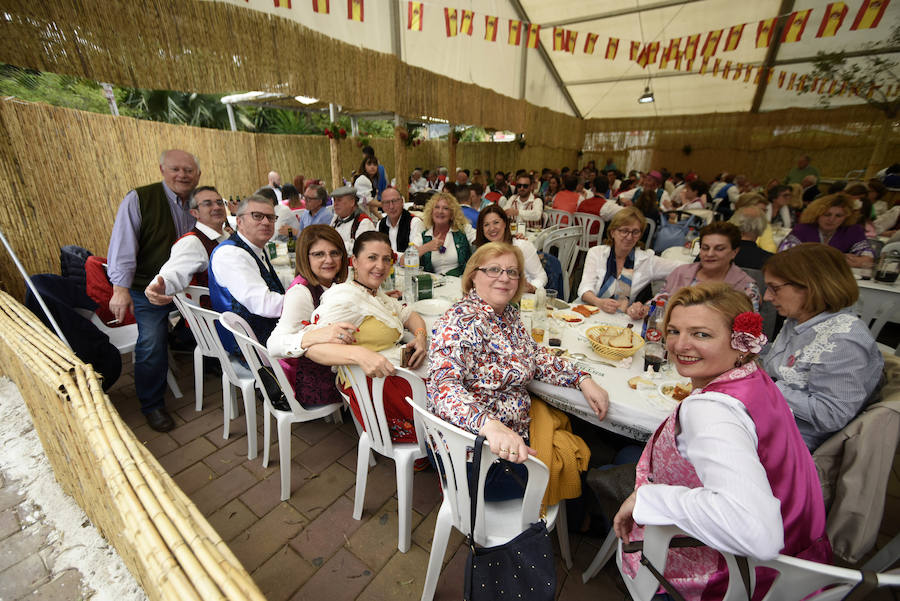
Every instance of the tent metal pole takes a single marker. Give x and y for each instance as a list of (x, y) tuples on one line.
[(787, 6)]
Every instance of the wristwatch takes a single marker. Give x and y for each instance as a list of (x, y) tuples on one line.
[(581, 379)]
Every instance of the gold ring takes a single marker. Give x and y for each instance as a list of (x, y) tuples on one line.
[(504, 450), (513, 453)]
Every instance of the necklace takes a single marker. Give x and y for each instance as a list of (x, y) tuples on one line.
[(372, 292)]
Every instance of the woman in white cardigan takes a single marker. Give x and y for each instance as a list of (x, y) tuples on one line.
[(617, 271), (493, 226)]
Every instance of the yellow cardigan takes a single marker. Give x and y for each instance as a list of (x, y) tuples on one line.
[(564, 453)]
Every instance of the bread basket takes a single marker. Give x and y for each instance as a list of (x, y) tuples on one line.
[(604, 350)]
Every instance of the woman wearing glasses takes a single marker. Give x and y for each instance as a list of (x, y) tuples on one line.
[(493, 226), (617, 270), (445, 245), (482, 357)]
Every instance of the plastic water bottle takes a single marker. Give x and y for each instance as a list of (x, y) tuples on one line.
[(411, 257), (410, 268)]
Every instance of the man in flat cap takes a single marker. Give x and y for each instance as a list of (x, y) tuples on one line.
[(349, 220)]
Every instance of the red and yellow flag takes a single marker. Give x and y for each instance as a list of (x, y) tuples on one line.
[(414, 16), (738, 69), (635, 51), (715, 69), (734, 37), (833, 19), (355, 10), (796, 23), (589, 42), (801, 82), (287, 3), (790, 85), (726, 69), (712, 43), (664, 58), (490, 28), (749, 71), (690, 46), (467, 19), (571, 38), (648, 54), (450, 23), (515, 32), (321, 6), (869, 14), (704, 66), (559, 39), (781, 76), (671, 53), (612, 48), (534, 35), (764, 32)]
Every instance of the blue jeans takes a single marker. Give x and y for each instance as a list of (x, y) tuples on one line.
[(151, 354)]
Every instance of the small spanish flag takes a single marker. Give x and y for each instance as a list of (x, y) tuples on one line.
[(833, 19), (704, 66), (734, 38), (515, 32), (748, 72), (738, 69), (648, 54), (796, 23), (466, 22), (869, 14), (764, 32), (612, 48), (664, 58), (690, 46), (781, 76), (355, 10), (450, 24), (534, 35), (559, 39), (321, 6), (635, 51), (715, 70), (801, 82), (589, 42), (414, 16), (758, 75), (831, 86), (571, 38), (670, 54), (712, 43), (790, 85), (726, 69), (490, 28), (287, 3)]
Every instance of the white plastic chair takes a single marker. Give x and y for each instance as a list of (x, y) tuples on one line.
[(651, 233), (587, 222), (234, 375), (377, 437), (566, 241), (555, 217), (496, 522), (192, 295), (258, 357), (539, 238)]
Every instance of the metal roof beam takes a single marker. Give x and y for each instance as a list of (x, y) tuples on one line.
[(851, 54), (618, 13), (771, 54), (639, 77)]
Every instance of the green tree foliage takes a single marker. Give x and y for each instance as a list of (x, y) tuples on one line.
[(58, 90)]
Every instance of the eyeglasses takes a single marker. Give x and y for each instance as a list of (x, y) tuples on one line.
[(391, 201), (320, 254), (627, 233), (775, 288), (209, 203), (257, 216), (522, 185), (494, 272), (310, 198)]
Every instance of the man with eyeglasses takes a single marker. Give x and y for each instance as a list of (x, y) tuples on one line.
[(400, 225), (241, 278), (189, 259), (149, 221), (523, 204), (315, 213)]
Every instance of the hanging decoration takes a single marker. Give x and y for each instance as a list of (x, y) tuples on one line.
[(414, 16)]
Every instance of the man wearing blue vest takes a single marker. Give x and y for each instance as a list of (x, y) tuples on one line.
[(241, 278), (149, 221)]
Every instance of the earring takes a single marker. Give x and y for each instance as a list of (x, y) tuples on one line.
[(739, 361)]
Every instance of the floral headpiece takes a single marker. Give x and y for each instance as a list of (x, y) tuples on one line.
[(746, 334)]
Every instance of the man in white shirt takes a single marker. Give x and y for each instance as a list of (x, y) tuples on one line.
[(349, 220), (649, 181), (275, 183), (400, 225), (417, 182), (523, 204), (189, 258), (241, 278)]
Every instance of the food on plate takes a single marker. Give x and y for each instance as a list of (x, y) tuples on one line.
[(559, 352), (637, 380), (586, 310), (569, 317), (678, 391), (623, 340)]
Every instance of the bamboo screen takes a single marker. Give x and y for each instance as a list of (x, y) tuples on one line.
[(166, 543)]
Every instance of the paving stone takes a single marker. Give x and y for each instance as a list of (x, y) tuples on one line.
[(194, 478), (263, 497), (376, 541), (21, 579), (326, 451), (22, 544), (223, 489), (427, 492), (381, 485), (320, 490), (601, 586), (187, 455), (265, 537), (450, 583), (402, 579), (312, 432), (232, 454), (341, 578), (145, 433), (64, 587), (327, 533), (161, 445), (9, 497), (232, 519), (9, 522), (424, 532), (203, 424), (282, 574)]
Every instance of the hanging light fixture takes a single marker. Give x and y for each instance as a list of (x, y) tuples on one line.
[(647, 96)]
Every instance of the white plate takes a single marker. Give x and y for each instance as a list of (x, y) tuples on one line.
[(670, 384), (431, 306), (566, 316)]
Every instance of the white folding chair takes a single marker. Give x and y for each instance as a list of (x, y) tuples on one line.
[(234, 375), (258, 357), (495, 522), (555, 217), (651, 233), (193, 294), (587, 221), (566, 241), (539, 238), (376, 436)]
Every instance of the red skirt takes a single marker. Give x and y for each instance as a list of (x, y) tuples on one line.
[(397, 411)]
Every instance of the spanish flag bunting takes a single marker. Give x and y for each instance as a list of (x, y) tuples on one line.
[(843, 89), (801, 83), (781, 76), (688, 64), (831, 86), (450, 23), (790, 85), (712, 43), (322, 6), (677, 66), (355, 10), (833, 19), (664, 58), (769, 74), (690, 46), (734, 37), (287, 3), (515, 32), (466, 21), (634, 52), (490, 28), (671, 53), (612, 48), (534, 35), (414, 16), (589, 42), (648, 54), (764, 32), (758, 75), (738, 69), (814, 84), (748, 72), (869, 14), (726, 69), (571, 38), (559, 39), (704, 66), (715, 68), (796, 23)]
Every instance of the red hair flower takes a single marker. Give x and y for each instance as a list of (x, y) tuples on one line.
[(746, 334)]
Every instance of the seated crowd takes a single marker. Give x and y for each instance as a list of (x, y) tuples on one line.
[(738, 446)]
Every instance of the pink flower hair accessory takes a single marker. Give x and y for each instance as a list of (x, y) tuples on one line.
[(746, 333)]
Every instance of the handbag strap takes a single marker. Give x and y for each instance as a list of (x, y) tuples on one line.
[(473, 494), (867, 584)]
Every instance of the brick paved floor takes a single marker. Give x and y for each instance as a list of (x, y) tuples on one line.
[(310, 547)]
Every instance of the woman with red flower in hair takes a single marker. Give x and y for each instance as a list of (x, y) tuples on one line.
[(728, 466)]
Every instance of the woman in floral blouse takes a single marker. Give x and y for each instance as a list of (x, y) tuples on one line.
[(482, 357)]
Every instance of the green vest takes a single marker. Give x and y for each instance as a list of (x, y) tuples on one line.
[(157, 234), (463, 252)]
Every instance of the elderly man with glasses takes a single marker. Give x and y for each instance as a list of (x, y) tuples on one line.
[(315, 213), (241, 278), (400, 225), (523, 205)]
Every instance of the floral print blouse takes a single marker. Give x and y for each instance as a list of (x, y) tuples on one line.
[(480, 363)]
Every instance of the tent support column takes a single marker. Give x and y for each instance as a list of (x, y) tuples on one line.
[(451, 154), (336, 181), (786, 8), (354, 127), (400, 148)]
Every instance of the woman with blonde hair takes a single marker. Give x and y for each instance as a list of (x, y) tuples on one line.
[(832, 220), (445, 245)]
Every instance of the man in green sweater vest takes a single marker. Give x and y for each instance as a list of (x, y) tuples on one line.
[(149, 221)]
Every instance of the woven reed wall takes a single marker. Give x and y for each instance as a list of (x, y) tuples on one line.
[(166, 543), (762, 146)]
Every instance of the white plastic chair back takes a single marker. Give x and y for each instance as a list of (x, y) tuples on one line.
[(556, 217), (587, 221), (566, 241), (651, 233), (203, 327), (539, 238)]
